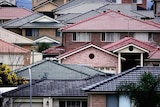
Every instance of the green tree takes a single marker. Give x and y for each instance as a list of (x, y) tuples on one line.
[(9, 78), (144, 93), (43, 46)]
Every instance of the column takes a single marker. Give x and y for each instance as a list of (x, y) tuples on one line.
[(141, 61), (119, 63)]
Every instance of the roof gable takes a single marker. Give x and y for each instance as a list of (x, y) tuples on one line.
[(126, 41), (120, 22), (46, 39), (74, 51), (45, 3), (6, 3), (44, 19)]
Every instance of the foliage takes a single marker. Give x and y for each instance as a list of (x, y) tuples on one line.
[(144, 93), (9, 78), (43, 46)]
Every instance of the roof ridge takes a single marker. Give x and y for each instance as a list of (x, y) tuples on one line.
[(109, 79)]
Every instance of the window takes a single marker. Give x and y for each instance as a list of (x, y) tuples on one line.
[(81, 37), (137, 1), (150, 36), (57, 33), (110, 37), (72, 103), (141, 36), (31, 32), (119, 101)]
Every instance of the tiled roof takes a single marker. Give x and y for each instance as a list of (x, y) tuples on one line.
[(80, 6), (81, 48), (121, 22), (155, 54), (12, 37), (68, 16), (14, 12), (127, 41), (53, 70), (26, 22), (83, 16), (9, 48), (54, 50), (131, 75), (128, 9), (55, 88)]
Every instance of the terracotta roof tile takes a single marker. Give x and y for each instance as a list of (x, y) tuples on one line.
[(13, 12), (155, 54), (6, 47), (127, 41), (112, 21)]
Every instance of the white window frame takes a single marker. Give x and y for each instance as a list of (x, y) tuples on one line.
[(79, 35), (110, 37), (66, 101)]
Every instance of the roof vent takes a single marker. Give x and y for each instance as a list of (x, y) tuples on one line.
[(118, 11)]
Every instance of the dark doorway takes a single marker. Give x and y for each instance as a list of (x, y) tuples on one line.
[(132, 60)]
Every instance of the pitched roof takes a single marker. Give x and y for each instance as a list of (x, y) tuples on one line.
[(6, 47), (126, 41), (14, 12), (44, 3), (131, 75), (68, 16), (31, 22), (155, 54), (2, 3), (121, 22), (54, 50), (12, 37), (55, 88), (46, 39), (86, 46), (46, 69), (80, 6)]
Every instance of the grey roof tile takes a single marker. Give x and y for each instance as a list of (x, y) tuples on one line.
[(131, 75), (55, 88), (53, 70)]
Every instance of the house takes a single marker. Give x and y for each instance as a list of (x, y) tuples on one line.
[(7, 3), (16, 39), (104, 93), (52, 93), (93, 56), (13, 55), (47, 69), (9, 13), (156, 8), (100, 30), (46, 6), (35, 26)]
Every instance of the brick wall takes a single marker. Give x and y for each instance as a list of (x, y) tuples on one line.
[(143, 5), (47, 8), (101, 59), (96, 100), (156, 38)]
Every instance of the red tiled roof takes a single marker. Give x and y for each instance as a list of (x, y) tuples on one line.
[(13, 12), (155, 54), (112, 21), (127, 41), (6, 47), (54, 50)]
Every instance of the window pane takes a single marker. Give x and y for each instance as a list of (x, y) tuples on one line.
[(62, 104), (34, 32), (74, 36), (103, 36), (124, 101), (110, 37), (112, 101), (73, 104), (57, 32), (84, 103), (28, 32)]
